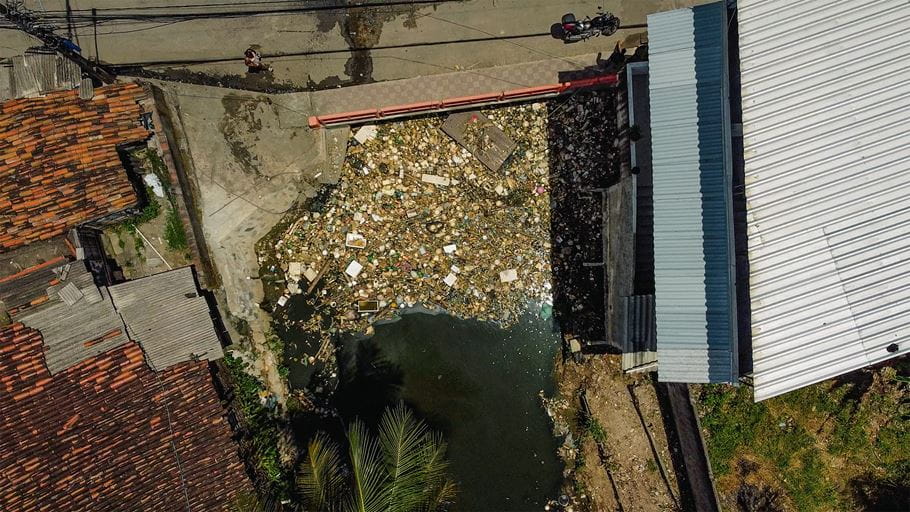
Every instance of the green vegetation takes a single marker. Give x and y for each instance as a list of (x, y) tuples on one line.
[(403, 469), (174, 233), (816, 444), (596, 430), (261, 425), (151, 211)]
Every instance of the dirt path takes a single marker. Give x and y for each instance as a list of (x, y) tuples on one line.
[(611, 460)]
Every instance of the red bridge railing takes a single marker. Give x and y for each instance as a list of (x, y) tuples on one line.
[(460, 101)]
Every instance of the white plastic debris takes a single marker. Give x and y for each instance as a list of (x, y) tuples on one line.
[(450, 279), (283, 300), (366, 133), (353, 269), (449, 249), (507, 276), (310, 274), (442, 181), (154, 183), (355, 240), (294, 270)]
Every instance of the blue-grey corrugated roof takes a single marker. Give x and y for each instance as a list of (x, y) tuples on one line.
[(693, 253)]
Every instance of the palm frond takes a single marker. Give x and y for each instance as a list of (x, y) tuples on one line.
[(441, 496), (437, 488), (246, 501), (368, 475), (402, 438), (320, 477)]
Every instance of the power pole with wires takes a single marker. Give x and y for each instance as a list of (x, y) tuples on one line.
[(29, 23)]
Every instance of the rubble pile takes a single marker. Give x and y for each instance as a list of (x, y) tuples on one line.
[(417, 220)]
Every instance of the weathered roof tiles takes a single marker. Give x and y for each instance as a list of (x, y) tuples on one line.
[(59, 165), (110, 434)]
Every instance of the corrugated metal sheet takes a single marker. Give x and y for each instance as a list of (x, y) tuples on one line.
[(168, 318), (693, 255), (37, 73), (639, 333), (826, 124), (77, 332)]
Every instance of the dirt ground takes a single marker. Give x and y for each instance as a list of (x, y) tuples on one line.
[(609, 455), (140, 258)]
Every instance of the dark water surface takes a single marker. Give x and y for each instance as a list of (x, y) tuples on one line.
[(476, 383)]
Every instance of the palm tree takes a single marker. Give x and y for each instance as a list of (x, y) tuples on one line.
[(403, 470)]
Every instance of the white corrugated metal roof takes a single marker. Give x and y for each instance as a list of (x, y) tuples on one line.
[(690, 149), (826, 124)]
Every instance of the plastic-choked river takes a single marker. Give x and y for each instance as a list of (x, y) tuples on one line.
[(476, 383)]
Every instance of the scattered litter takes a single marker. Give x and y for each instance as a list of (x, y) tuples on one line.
[(507, 276), (353, 269), (283, 300), (367, 306), (365, 133), (435, 180), (355, 240), (155, 184), (440, 224)]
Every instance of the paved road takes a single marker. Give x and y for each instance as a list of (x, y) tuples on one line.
[(315, 46)]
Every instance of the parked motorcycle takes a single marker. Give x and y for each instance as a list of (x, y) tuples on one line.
[(574, 30)]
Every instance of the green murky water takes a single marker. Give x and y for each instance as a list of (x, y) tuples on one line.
[(478, 384)]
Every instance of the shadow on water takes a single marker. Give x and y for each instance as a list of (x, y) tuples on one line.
[(477, 384)]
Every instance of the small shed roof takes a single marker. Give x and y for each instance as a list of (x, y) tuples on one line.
[(691, 161), (827, 165), (77, 331), (167, 316)]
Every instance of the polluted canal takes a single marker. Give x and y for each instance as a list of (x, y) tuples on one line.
[(425, 276)]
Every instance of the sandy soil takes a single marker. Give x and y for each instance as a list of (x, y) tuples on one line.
[(622, 472)]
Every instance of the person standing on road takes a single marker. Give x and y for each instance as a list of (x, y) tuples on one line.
[(253, 60)]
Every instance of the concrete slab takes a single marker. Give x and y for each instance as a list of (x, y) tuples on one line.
[(314, 49)]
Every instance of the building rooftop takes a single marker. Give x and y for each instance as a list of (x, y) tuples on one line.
[(167, 315), (826, 164), (694, 284), (110, 434), (59, 165), (77, 320)]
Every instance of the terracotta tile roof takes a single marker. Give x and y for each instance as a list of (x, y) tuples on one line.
[(107, 433), (58, 161)]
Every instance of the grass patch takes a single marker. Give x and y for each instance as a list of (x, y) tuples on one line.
[(174, 232), (731, 420), (818, 444)]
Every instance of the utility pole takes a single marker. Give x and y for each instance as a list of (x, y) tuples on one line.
[(30, 24)]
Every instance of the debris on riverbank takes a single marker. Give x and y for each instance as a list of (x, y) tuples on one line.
[(417, 219), (615, 447)]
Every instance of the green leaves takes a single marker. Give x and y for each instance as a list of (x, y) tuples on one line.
[(369, 479), (402, 438), (401, 470), (320, 479)]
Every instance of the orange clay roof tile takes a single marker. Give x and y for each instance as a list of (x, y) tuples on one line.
[(55, 148), (97, 436)]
